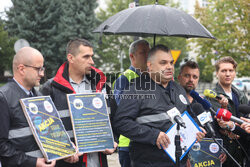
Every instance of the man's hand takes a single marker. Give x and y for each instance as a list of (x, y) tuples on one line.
[(40, 162), (245, 126), (188, 163), (110, 151), (225, 124), (223, 102), (201, 135), (223, 157), (162, 140), (74, 158), (228, 125)]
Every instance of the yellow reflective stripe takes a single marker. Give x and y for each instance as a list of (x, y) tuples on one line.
[(123, 141), (129, 74)]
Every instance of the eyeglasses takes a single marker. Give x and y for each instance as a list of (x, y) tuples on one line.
[(38, 69)]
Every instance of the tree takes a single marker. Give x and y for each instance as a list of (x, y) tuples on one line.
[(6, 49), (49, 24), (78, 20), (113, 46), (228, 21)]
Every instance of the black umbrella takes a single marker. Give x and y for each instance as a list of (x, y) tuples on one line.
[(152, 20)]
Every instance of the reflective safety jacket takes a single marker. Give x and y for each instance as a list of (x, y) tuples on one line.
[(18, 147), (119, 86)]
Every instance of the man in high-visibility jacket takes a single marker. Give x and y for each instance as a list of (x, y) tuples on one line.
[(138, 52)]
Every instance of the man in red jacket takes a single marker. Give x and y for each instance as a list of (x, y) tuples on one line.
[(78, 75)]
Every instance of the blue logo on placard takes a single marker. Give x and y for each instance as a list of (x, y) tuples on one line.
[(37, 120)]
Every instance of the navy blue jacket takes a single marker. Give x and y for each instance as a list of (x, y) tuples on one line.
[(145, 97)]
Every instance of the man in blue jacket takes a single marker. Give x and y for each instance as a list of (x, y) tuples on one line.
[(138, 116)]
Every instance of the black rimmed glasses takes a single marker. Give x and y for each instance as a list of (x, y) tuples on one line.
[(38, 69)]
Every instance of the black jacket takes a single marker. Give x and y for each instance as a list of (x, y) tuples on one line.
[(232, 146), (145, 97), (59, 86), (16, 139)]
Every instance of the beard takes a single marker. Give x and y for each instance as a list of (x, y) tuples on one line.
[(188, 88)]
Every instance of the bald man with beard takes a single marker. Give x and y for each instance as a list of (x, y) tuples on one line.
[(18, 147)]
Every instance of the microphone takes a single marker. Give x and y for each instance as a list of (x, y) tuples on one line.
[(211, 94), (244, 109), (226, 115), (175, 116), (206, 105), (203, 118)]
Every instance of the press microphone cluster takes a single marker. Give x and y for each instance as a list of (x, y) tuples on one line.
[(211, 94), (221, 113), (207, 106), (175, 116)]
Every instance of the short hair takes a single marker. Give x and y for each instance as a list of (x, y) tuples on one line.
[(227, 59), (156, 48), (133, 46), (191, 64), (73, 45)]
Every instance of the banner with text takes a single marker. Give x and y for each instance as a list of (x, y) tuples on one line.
[(47, 128), (91, 124), (206, 153)]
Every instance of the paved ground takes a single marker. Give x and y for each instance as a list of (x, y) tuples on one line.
[(113, 160)]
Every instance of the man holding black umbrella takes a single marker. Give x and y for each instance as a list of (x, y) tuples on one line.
[(138, 52)]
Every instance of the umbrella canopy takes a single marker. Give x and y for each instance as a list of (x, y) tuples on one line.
[(152, 20)]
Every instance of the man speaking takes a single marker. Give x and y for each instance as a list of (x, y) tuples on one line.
[(138, 118)]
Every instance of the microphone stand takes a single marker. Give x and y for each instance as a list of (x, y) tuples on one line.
[(178, 149)]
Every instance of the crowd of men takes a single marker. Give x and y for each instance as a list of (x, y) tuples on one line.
[(138, 123)]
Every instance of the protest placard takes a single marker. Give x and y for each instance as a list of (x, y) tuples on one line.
[(47, 128), (90, 120), (206, 153)]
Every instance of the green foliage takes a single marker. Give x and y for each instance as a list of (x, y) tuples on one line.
[(49, 24), (113, 46), (6, 49), (228, 21)]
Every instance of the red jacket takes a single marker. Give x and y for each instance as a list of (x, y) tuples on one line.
[(59, 86)]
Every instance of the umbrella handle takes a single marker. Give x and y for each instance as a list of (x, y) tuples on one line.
[(154, 39), (102, 30)]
